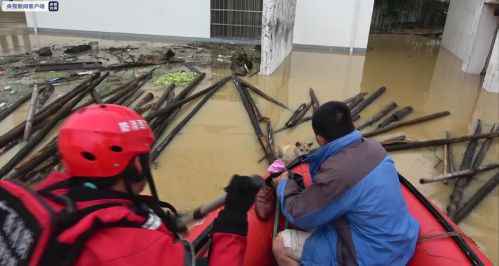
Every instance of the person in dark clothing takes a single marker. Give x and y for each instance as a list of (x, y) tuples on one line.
[(353, 213)]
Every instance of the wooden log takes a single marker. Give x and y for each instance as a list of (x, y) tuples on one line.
[(132, 97), (298, 115), (180, 99), (262, 94), (395, 140), (475, 200), (13, 107), (406, 123), (355, 98), (23, 170), (396, 117), (160, 124), (368, 101), (314, 100), (356, 101), (450, 156), (380, 115), (484, 149), (45, 94), (144, 108), (31, 112), (460, 185), (42, 133), (95, 97), (49, 110), (192, 68), (166, 93), (269, 137), (146, 99), (302, 121), (159, 147), (469, 153), (438, 142), (254, 121), (459, 174), (65, 66)]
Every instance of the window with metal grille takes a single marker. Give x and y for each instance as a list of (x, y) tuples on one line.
[(236, 19)]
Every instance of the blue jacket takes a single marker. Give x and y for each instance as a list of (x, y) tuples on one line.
[(354, 206)]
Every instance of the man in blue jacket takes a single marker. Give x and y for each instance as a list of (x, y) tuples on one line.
[(354, 212)]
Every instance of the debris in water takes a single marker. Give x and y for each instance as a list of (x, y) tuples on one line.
[(44, 51), (179, 78), (78, 49)]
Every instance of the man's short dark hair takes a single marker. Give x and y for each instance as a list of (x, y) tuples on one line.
[(332, 121)]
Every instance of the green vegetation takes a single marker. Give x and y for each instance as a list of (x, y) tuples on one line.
[(179, 78)]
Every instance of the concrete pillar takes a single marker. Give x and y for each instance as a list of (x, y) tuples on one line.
[(491, 82), (469, 31), (278, 20)]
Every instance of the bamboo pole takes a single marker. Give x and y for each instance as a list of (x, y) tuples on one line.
[(262, 94), (356, 101), (406, 123), (31, 112), (254, 121), (166, 93), (475, 200), (11, 108), (460, 185), (160, 125), (45, 94), (300, 112), (134, 95), (181, 98), (146, 99), (18, 130), (159, 147), (459, 174), (396, 117), (314, 100), (368, 101), (378, 116), (50, 124), (348, 101), (438, 142)]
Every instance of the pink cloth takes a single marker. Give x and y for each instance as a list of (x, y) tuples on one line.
[(278, 166)]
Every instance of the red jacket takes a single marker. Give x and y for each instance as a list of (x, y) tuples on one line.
[(153, 244)]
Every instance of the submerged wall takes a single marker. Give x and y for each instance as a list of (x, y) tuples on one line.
[(277, 33), (154, 17), (333, 23), (469, 31)]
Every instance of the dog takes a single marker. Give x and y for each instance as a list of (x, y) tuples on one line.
[(289, 153)]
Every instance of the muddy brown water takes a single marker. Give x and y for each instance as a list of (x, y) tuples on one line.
[(220, 142)]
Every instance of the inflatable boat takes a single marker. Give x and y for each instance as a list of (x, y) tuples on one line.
[(441, 242)]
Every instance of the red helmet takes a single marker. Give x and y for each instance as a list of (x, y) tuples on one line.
[(101, 140)]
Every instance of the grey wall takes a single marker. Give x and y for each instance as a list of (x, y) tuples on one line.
[(491, 82), (277, 33), (469, 31)]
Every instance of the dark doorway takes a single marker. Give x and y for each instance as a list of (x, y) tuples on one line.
[(236, 19), (402, 16)]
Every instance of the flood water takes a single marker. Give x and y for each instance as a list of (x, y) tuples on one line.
[(219, 141)]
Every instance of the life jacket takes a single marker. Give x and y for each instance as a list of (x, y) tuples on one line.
[(50, 226)]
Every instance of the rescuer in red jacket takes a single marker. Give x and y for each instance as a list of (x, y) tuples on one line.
[(104, 150)]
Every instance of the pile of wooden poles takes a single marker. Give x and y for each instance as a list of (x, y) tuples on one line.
[(471, 166), (161, 114)]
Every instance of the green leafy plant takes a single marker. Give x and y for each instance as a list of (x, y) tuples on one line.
[(179, 78)]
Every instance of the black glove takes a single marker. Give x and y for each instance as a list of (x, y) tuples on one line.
[(241, 193)]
